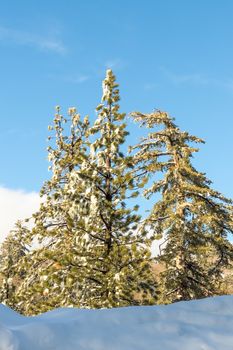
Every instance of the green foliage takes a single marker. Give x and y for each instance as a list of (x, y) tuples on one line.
[(117, 258), (88, 254), (12, 250), (59, 222), (88, 246), (193, 218)]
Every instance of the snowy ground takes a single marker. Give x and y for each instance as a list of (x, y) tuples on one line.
[(197, 325)]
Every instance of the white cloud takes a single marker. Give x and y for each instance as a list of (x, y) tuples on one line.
[(15, 205), (76, 79), (194, 78), (197, 79), (48, 43), (114, 64), (81, 79), (151, 86)]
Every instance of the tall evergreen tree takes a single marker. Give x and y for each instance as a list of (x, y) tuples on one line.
[(51, 266), (193, 218), (90, 253), (116, 256)]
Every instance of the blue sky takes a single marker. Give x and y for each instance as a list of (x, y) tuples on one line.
[(172, 55)]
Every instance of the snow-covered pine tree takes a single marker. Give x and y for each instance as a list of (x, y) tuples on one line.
[(52, 267), (12, 250), (116, 258), (192, 217), (90, 252)]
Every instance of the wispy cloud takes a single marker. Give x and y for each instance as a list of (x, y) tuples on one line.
[(197, 79), (92, 72), (113, 64), (71, 78), (77, 79), (23, 38), (151, 86)]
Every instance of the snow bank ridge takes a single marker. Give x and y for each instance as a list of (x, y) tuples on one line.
[(205, 324)]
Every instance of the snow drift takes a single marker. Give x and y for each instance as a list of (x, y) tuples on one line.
[(205, 324)]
